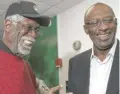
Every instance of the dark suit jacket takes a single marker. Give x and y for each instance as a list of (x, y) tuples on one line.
[(79, 74)]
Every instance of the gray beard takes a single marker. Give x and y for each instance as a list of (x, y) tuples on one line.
[(15, 38), (23, 47), (19, 47)]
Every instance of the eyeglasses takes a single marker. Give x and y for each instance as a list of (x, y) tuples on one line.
[(30, 28), (97, 22)]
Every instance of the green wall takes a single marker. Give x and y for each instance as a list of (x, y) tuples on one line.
[(44, 53)]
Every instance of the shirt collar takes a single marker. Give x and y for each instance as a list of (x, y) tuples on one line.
[(4, 47)]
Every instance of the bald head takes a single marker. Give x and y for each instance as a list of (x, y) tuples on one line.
[(100, 9)]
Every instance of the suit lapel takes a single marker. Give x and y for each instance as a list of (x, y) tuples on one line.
[(85, 68), (113, 83), (88, 72)]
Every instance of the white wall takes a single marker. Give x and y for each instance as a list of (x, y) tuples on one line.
[(70, 28)]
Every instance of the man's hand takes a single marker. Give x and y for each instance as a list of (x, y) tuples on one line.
[(55, 89), (43, 89)]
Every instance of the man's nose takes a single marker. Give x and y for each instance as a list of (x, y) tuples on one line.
[(102, 25), (33, 34)]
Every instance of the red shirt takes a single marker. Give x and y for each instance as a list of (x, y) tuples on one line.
[(16, 76)]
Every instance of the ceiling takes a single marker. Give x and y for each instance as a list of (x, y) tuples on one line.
[(46, 7)]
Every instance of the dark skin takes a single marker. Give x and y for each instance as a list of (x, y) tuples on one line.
[(100, 25)]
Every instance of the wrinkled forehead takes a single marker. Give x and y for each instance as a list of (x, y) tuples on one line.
[(98, 11)]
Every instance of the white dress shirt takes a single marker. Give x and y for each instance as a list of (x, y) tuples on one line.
[(100, 71)]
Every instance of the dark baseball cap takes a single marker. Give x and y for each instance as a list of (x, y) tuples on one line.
[(29, 10)]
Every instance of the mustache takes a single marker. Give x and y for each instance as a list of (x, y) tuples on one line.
[(28, 38), (103, 33)]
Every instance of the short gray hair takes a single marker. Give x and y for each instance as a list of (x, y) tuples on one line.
[(15, 18)]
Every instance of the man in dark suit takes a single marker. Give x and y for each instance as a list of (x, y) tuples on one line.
[(96, 71)]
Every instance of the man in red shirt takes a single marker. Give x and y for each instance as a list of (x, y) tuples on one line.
[(21, 28)]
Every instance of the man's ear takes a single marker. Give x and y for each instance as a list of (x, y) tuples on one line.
[(86, 29), (7, 26), (116, 21)]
